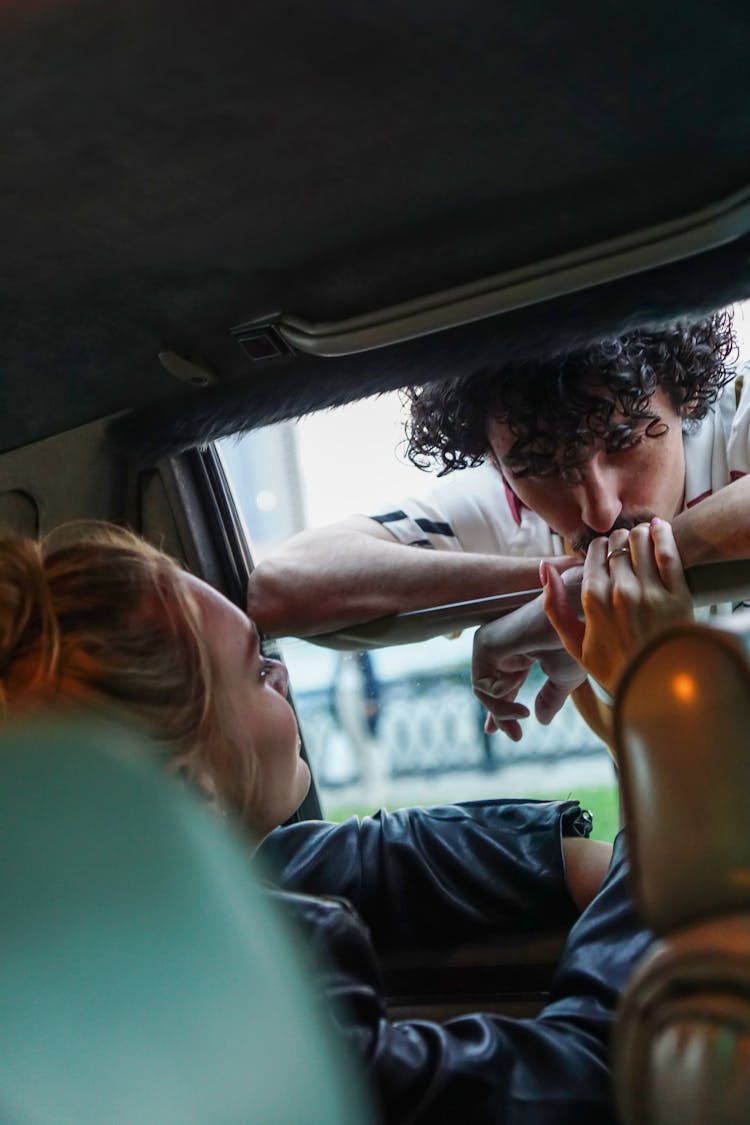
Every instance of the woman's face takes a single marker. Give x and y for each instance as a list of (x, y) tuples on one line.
[(256, 717)]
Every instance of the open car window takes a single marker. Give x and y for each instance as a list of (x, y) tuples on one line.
[(399, 725)]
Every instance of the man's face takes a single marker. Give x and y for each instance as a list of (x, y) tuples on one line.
[(616, 489)]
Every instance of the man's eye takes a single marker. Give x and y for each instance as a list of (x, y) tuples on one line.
[(627, 445), (534, 472)]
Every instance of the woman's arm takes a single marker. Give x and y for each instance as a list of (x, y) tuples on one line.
[(483, 1067), (450, 873)]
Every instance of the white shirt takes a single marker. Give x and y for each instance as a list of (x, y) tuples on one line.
[(475, 510)]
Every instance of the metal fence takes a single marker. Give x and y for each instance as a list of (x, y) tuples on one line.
[(431, 724)]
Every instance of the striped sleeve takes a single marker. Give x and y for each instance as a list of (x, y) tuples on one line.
[(469, 510)]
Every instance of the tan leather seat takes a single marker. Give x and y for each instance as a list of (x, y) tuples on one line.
[(682, 731)]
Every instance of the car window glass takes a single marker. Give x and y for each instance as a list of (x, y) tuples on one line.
[(395, 726)]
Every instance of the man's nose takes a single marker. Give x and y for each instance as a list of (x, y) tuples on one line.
[(599, 496)]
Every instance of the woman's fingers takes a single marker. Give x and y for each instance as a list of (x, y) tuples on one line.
[(596, 577), (625, 584), (667, 558), (560, 612), (596, 586), (642, 556)]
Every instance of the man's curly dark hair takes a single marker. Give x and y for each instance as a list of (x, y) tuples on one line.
[(556, 408)]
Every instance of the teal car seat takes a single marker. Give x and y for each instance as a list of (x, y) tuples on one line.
[(144, 976)]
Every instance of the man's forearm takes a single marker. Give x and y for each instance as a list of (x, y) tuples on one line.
[(328, 579), (717, 528)]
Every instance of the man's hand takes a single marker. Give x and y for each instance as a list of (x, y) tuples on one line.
[(504, 652)]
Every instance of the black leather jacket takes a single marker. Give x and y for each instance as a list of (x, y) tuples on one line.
[(431, 876)]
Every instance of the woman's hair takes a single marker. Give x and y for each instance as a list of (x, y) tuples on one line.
[(94, 616), (556, 408)]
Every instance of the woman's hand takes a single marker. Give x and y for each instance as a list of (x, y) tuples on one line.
[(626, 600)]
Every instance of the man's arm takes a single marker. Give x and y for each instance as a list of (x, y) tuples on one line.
[(504, 652), (355, 571), (717, 528)]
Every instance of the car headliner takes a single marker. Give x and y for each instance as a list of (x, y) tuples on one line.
[(171, 170)]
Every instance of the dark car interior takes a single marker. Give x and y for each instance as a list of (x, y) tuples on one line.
[(220, 216)]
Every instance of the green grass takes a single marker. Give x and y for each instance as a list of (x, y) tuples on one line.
[(601, 801)]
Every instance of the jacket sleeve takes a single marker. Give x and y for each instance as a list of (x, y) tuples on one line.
[(448, 873), (550, 1070)]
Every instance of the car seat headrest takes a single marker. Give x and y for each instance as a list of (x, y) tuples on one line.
[(143, 973), (682, 731)]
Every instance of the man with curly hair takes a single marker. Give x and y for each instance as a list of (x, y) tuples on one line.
[(554, 453)]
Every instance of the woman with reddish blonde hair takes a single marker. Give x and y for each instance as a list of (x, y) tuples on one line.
[(94, 617)]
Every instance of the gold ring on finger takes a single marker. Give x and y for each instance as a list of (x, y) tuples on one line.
[(617, 551)]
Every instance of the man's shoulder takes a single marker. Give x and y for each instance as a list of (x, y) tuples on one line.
[(718, 450), (470, 510)]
